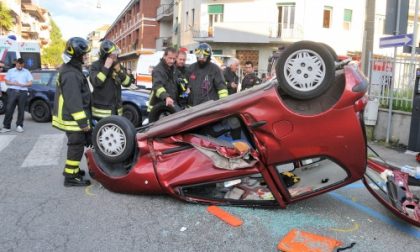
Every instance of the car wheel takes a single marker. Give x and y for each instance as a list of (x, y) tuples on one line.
[(331, 51), (40, 111), (2, 104), (114, 139), (131, 113), (305, 70), (160, 110)]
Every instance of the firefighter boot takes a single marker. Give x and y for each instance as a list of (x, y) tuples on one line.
[(76, 181)]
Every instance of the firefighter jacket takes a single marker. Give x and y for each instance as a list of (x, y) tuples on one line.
[(230, 77), (163, 83), (206, 83), (107, 89), (181, 80), (250, 80), (72, 100)]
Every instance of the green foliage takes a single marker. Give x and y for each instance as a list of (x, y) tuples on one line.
[(399, 101), (6, 19), (51, 55)]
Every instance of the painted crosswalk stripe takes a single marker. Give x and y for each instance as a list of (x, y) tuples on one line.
[(5, 140), (46, 151)]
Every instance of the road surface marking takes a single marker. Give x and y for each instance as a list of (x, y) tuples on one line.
[(352, 229), (396, 223), (46, 151), (87, 191), (5, 140)]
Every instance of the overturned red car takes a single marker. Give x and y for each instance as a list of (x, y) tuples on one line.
[(296, 136)]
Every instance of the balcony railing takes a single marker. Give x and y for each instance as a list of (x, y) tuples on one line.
[(165, 12), (262, 32)]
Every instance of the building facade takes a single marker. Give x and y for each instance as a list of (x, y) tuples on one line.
[(135, 30), (94, 39), (31, 22), (250, 30)]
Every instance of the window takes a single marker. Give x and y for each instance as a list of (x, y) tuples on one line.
[(307, 176), (192, 16), (186, 21), (42, 78), (176, 25), (286, 19), (347, 19), (215, 16), (326, 22)]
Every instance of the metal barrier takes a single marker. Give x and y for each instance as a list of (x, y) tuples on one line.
[(392, 82)]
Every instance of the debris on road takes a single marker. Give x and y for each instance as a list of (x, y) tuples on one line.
[(225, 216), (301, 241)]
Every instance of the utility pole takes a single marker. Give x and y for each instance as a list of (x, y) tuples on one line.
[(368, 35)]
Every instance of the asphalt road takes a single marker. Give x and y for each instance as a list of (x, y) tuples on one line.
[(37, 213)]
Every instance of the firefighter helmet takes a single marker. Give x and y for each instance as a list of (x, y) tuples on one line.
[(107, 47), (76, 47), (203, 51)]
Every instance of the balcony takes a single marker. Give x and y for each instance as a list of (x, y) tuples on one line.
[(163, 42), (247, 32), (35, 11), (165, 12)]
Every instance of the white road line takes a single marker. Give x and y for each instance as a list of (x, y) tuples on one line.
[(46, 151), (5, 140)]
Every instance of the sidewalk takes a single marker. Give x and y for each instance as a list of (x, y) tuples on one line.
[(395, 156)]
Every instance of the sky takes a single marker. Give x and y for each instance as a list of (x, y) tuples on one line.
[(77, 18)]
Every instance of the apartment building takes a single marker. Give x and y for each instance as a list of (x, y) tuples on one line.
[(251, 30), (31, 22), (165, 18), (94, 38), (135, 30)]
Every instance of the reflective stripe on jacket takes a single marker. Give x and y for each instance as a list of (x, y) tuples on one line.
[(72, 99), (107, 84)]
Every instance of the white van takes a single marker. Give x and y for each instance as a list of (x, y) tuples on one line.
[(10, 50), (145, 64)]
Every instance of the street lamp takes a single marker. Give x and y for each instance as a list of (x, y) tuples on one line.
[(98, 4)]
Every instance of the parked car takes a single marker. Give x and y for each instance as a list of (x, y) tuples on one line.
[(2, 103), (286, 140), (41, 98)]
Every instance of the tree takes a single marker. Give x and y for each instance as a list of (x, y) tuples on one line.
[(6, 19), (51, 55)]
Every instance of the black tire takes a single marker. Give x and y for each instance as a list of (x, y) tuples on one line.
[(331, 51), (160, 110), (131, 113), (114, 139), (3, 100), (305, 70), (40, 111)]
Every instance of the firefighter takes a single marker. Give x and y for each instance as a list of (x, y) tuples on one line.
[(181, 75), (164, 88), (206, 79), (72, 112), (107, 76)]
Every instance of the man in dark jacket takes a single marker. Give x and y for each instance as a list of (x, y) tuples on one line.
[(181, 79), (107, 76), (231, 78), (164, 88), (72, 112), (250, 78), (206, 78)]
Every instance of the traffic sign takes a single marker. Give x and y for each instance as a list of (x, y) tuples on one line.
[(398, 40)]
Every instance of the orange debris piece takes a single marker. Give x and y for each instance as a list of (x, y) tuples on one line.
[(225, 216), (301, 241)]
